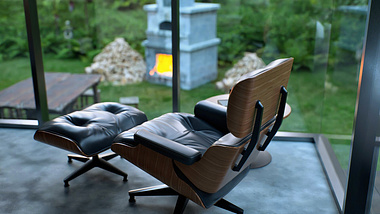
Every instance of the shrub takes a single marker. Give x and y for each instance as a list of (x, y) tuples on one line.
[(277, 28), (273, 28)]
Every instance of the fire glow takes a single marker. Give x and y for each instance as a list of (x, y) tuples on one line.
[(163, 66)]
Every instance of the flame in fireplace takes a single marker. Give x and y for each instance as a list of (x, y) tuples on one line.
[(164, 65)]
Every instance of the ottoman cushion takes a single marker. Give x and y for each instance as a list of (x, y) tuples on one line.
[(94, 128)]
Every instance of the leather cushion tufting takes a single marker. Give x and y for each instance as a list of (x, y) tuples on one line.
[(95, 127), (182, 128)]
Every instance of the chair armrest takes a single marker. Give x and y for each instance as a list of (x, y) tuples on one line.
[(126, 138), (214, 114), (169, 148)]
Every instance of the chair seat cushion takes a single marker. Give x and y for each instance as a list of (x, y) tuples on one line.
[(94, 128), (182, 128)]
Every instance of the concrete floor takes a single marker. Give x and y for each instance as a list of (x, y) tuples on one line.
[(32, 173)]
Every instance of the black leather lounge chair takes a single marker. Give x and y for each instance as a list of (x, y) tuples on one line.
[(202, 157), (89, 132)]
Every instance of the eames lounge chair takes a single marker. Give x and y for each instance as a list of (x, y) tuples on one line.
[(202, 157)]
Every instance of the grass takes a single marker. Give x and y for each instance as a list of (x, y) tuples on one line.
[(157, 99), (15, 70), (154, 99), (315, 108), (321, 102)]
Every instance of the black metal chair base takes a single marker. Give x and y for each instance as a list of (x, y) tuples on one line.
[(229, 206), (164, 190), (95, 161)]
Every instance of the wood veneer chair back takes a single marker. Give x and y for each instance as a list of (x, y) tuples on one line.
[(262, 85), (222, 162)]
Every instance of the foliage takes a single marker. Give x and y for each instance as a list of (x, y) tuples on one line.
[(13, 41), (93, 24), (130, 25), (240, 29), (129, 4), (273, 28), (291, 30), (13, 47), (280, 28)]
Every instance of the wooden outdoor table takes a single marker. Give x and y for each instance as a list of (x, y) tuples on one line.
[(62, 90), (263, 157)]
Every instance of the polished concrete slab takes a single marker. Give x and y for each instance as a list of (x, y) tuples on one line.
[(32, 173)]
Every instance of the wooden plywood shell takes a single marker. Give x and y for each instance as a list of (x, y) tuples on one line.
[(214, 170), (157, 165), (58, 141), (263, 85)]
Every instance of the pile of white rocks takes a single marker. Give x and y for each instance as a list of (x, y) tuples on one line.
[(248, 63), (119, 64)]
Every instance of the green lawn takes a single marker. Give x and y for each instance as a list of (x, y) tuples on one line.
[(15, 70), (154, 99), (321, 102), (157, 99), (315, 108)]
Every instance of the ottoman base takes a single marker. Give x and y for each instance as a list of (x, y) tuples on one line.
[(95, 161)]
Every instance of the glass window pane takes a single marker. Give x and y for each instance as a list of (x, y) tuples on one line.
[(199, 43), (324, 37), (349, 21), (14, 60), (80, 38), (375, 207)]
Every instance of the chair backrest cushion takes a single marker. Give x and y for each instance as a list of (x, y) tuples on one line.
[(262, 85)]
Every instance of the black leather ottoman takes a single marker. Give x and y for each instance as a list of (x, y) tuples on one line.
[(89, 132)]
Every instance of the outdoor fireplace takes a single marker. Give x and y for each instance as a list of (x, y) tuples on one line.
[(198, 43), (163, 65)]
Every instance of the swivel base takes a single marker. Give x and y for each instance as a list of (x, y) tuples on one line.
[(164, 190), (95, 161), (264, 158)]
